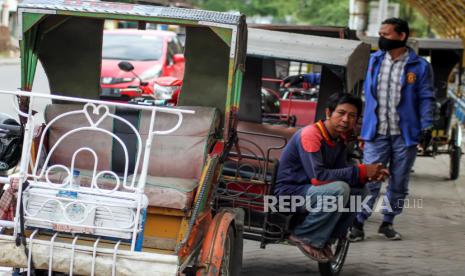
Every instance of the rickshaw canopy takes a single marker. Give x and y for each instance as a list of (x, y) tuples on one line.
[(66, 36), (326, 31), (349, 55), (344, 62), (445, 55)]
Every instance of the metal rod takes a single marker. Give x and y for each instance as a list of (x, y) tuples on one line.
[(81, 100), (29, 257), (50, 260), (73, 249), (94, 255), (25, 154), (115, 251), (7, 223)]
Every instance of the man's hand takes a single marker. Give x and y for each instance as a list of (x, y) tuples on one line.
[(376, 172), (382, 175), (293, 80), (426, 136), (373, 170)]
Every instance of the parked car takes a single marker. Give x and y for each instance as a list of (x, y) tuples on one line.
[(153, 54)]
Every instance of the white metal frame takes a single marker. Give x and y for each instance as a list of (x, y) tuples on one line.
[(126, 194)]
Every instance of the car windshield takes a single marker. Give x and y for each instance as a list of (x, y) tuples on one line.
[(132, 47)]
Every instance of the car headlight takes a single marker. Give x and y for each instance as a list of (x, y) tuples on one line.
[(151, 73), (164, 92), (110, 80)]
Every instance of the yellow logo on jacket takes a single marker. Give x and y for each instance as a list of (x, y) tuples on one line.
[(411, 77)]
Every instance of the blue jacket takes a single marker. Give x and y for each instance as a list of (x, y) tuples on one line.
[(416, 106), (312, 78)]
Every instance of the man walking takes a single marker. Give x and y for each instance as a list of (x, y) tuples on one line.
[(398, 116)]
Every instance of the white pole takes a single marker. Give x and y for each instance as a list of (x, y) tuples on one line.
[(382, 10), (5, 13), (358, 17)]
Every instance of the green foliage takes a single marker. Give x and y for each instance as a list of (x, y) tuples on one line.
[(314, 12), (329, 12), (419, 27)]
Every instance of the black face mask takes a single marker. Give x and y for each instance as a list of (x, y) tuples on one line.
[(386, 44)]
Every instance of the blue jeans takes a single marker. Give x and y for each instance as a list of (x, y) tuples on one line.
[(319, 227), (389, 149)]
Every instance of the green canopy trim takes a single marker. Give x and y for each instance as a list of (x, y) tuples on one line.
[(224, 34), (29, 58), (31, 19)]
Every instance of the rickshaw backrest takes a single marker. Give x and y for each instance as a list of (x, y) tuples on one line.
[(303, 110), (185, 148), (263, 142), (101, 143)]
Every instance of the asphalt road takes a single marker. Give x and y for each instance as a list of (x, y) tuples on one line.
[(10, 79), (433, 235)]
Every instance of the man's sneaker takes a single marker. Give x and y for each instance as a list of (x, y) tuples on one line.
[(388, 232), (356, 234)]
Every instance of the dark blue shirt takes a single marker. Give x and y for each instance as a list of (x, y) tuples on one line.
[(311, 157)]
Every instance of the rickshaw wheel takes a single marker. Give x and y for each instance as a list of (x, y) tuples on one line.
[(227, 263), (334, 267), (455, 155), (222, 247)]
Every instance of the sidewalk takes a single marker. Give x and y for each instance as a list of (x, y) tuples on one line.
[(10, 61), (433, 236)]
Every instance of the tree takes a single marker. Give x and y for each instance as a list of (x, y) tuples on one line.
[(313, 12), (329, 12)]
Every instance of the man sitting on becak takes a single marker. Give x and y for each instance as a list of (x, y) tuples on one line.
[(314, 165)]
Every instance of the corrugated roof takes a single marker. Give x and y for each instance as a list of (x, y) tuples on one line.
[(131, 9), (447, 17)]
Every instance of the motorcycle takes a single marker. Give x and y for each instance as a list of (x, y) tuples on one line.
[(164, 92)]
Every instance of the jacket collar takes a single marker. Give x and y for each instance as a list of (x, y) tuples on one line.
[(412, 56), (325, 133)]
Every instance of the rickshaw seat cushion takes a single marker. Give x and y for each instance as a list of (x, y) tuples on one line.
[(168, 192), (263, 142)]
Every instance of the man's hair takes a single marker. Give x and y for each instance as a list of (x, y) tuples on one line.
[(400, 25), (344, 98)]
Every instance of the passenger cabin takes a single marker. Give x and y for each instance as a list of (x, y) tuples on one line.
[(341, 63)]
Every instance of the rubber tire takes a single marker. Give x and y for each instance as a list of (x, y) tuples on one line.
[(229, 249), (327, 269), (455, 155)]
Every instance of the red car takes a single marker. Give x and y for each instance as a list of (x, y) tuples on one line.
[(153, 54)]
